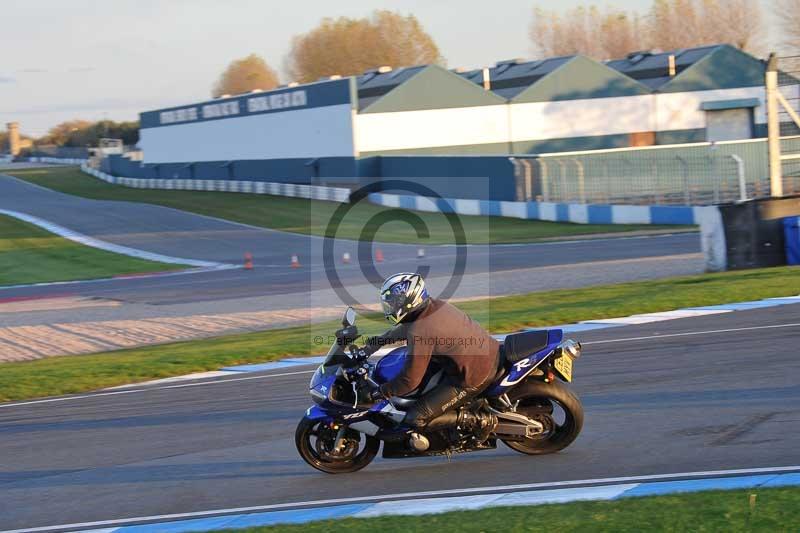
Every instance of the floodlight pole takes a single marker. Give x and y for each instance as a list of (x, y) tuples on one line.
[(773, 128)]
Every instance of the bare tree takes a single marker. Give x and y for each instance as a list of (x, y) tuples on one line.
[(685, 23), (669, 24), (347, 46), (788, 15), (244, 75), (587, 30)]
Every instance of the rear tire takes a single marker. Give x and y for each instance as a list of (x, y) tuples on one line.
[(314, 441), (535, 399)]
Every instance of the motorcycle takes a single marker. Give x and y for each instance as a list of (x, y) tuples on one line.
[(528, 405)]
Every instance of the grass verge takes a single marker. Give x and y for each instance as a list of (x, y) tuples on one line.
[(29, 254), (774, 509), (312, 216), (64, 375)]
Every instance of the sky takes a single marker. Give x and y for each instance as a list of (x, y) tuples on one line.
[(96, 59)]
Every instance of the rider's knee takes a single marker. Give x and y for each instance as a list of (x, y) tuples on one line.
[(418, 418)]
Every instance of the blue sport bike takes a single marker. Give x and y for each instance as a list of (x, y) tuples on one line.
[(528, 406)]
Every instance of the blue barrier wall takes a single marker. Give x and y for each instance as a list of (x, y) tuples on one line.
[(470, 177), (300, 171)]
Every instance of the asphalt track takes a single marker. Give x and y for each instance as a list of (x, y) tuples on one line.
[(177, 233), (707, 393)]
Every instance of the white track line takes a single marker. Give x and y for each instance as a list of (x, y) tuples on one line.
[(103, 245), (267, 376), (445, 492), (686, 334), (181, 386)]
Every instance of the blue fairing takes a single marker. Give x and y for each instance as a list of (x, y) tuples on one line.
[(520, 370), (390, 365), (315, 412)]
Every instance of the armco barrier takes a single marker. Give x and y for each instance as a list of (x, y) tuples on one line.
[(554, 212), (314, 192)]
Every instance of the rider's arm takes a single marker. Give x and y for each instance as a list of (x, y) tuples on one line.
[(396, 334), (417, 360)]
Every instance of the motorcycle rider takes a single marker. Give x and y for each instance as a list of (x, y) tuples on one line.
[(436, 330)]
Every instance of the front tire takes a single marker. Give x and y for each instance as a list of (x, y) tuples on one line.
[(540, 400), (314, 440)]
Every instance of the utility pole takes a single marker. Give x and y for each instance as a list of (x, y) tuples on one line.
[(773, 128)]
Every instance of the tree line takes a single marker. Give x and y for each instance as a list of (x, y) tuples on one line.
[(82, 134), (349, 46)]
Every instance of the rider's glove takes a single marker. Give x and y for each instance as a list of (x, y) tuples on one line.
[(376, 394), (347, 335), (359, 354)]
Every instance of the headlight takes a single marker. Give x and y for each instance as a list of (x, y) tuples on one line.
[(571, 348)]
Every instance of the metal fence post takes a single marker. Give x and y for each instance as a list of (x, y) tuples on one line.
[(563, 181), (528, 179), (544, 179), (687, 195), (740, 174), (773, 127), (523, 177), (581, 181), (518, 191)]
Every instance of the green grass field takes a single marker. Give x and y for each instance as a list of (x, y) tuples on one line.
[(312, 216), (772, 510), (29, 254), (73, 374)]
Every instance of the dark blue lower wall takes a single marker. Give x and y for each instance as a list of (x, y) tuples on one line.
[(470, 177), (302, 170)]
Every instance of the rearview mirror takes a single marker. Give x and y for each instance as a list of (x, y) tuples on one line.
[(349, 317)]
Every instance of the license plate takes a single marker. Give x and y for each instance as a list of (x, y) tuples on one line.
[(563, 366)]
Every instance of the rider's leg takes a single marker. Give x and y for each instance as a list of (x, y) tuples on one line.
[(435, 403), (439, 405)]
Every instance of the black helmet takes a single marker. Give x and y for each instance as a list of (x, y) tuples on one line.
[(403, 294)]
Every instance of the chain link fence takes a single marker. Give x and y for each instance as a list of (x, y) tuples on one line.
[(691, 174)]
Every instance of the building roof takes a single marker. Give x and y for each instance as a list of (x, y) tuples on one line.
[(375, 83), (579, 78), (652, 68), (419, 88), (511, 77)]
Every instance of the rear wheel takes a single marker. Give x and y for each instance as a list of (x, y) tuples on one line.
[(556, 408), (315, 442)]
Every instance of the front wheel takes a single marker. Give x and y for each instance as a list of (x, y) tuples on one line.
[(315, 440), (556, 408)]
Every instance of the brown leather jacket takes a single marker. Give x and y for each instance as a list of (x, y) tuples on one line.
[(446, 334)]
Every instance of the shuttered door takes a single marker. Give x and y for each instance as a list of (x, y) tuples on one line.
[(729, 124)]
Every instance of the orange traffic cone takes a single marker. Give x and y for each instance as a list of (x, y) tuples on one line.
[(248, 261), (378, 256), (295, 262), (346, 258)]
